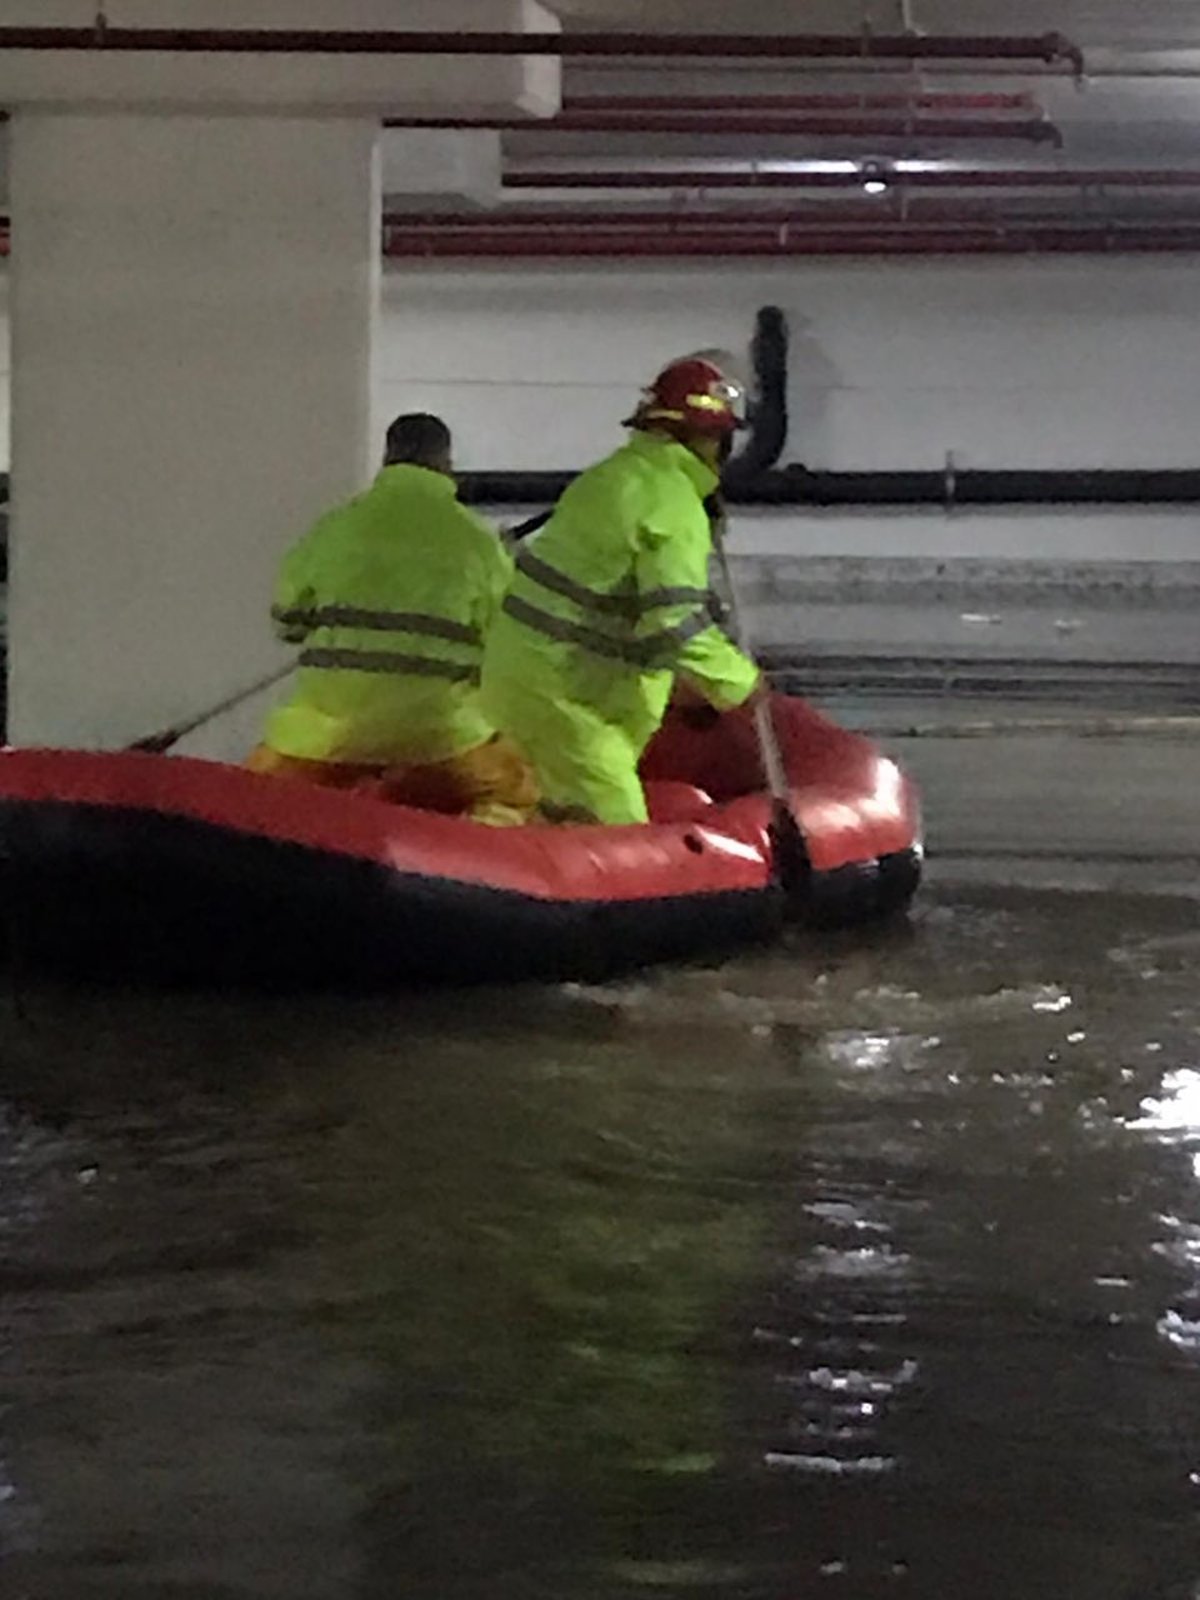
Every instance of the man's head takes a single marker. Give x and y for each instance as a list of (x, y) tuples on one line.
[(695, 402), (419, 440)]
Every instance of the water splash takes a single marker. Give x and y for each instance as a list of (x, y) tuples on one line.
[(1183, 1333), (831, 1466), (1176, 1110)]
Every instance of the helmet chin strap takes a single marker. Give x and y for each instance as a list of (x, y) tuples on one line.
[(715, 449), (714, 452)]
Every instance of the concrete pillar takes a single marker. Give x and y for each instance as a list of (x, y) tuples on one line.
[(194, 302)]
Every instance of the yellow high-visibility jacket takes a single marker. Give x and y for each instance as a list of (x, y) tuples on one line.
[(609, 601), (390, 597)]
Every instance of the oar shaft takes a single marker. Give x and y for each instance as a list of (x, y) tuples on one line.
[(774, 768), (791, 864), (157, 743)]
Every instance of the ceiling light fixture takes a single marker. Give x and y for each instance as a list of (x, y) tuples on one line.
[(874, 177), (800, 168)]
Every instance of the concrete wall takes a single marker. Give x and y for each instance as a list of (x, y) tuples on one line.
[(1070, 362), (1051, 363), (185, 384), (5, 370), (1067, 362), (1056, 363)]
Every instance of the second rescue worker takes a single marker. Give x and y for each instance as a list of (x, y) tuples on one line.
[(610, 602), (390, 598)]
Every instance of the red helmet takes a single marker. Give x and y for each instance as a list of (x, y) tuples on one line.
[(692, 396)]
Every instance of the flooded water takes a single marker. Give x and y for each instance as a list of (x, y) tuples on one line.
[(855, 1270)]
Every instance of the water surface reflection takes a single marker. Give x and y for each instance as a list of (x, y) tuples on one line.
[(861, 1270)]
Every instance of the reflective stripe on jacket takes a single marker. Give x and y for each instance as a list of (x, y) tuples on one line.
[(610, 599), (390, 598)]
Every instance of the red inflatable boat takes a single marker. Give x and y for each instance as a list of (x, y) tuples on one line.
[(185, 870)]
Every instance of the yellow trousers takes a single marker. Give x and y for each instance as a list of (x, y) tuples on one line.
[(492, 783), (586, 766)]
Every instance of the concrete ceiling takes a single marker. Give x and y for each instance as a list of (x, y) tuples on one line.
[(1145, 24), (1138, 108)]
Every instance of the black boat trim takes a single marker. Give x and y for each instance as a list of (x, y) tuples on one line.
[(120, 892)]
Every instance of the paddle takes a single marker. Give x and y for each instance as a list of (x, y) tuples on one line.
[(522, 530), (158, 743), (791, 861)]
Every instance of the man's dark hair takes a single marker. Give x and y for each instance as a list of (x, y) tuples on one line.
[(418, 440)]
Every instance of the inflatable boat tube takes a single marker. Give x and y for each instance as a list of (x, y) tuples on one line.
[(168, 868)]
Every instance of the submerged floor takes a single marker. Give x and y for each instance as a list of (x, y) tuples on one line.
[(871, 1269)]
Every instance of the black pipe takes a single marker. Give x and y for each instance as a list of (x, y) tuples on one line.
[(797, 486), (765, 439), (768, 407), (752, 478), (906, 46)]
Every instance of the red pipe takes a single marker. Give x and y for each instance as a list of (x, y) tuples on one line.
[(711, 245), (935, 100), (870, 213), (898, 241), (1035, 130), (1049, 47), (749, 219), (970, 178), (991, 241)]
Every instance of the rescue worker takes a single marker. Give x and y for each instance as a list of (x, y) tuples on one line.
[(390, 597), (610, 602)]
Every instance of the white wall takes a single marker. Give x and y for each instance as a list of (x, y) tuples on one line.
[(1049, 363), (1069, 362), (5, 369), (1066, 362), (185, 384)]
